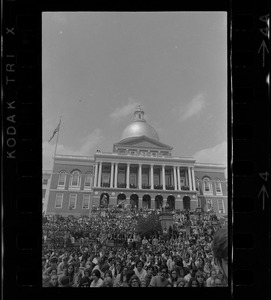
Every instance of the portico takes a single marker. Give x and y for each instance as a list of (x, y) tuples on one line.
[(142, 175)]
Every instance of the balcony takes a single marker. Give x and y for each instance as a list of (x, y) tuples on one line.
[(169, 187), (158, 187), (121, 185), (133, 186), (106, 184), (146, 186), (185, 188)]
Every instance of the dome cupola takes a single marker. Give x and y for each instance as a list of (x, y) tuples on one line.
[(139, 127)]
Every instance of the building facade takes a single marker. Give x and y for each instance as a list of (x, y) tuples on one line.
[(140, 172)]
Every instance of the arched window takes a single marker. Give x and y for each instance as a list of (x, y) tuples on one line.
[(61, 179), (75, 179), (88, 177), (207, 186), (218, 188)]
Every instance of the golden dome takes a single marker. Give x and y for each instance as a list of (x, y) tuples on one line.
[(139, 127)]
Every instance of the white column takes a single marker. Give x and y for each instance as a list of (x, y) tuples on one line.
[(96, 174), (179, 178), (193, 179), (164, 177), (128, 176), (100, 174), (189, 179), (112, 175), (175, 178), (152, 177), (139, 176), (116, 175)]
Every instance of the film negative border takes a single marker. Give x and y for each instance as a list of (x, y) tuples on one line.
[(22, 149), (251, 161)]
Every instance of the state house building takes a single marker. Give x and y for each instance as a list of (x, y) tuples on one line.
[(141, 172)]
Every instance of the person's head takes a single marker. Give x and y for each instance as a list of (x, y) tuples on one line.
[(150, 270), (163, 272), (213, 274), (64, 281), (54, 280), (108, 273), (181, 282), (70, 269), (96, 274), (218, 282), (193, 282), (108, 282), (53, 262), (200, 278), (53, 272), (134, 281), (174, 274), (125, 270), (87, 272), (84, 282), (139, 265), (118, 264), (220, 250)]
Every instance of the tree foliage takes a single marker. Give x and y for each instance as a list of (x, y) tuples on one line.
[(149, 225)]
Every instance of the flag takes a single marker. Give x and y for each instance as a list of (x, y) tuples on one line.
[(55, 131)]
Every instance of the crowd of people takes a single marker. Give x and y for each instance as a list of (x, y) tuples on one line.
[(106, 250)]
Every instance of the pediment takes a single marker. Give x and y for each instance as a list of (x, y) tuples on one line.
[(143, 142)]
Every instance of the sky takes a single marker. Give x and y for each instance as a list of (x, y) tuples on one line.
[(98, 66)]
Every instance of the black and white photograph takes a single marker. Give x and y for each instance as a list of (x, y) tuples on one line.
[(135, 149)]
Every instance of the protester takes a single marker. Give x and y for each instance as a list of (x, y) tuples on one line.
[(97, 280), (78, 247), (220, 250)]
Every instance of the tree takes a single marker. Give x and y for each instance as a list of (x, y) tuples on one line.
[(149, 226)]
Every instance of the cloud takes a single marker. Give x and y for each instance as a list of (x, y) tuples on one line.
[(216, 154), (89, 144), (193, 108), (125, 110)]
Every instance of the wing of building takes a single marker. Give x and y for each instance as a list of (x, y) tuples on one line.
[(141, 172)]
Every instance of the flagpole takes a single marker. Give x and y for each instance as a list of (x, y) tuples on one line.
[(50, 183), (57, 141)]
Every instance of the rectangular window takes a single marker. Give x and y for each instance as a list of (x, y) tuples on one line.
[(59, 201), (209, 204), (72, 203), (133, 179), (88, 181), (61, 179), (121, 178), (218, 187), (168, 179), (45, 181), (105, 178), (156, 179), (86, 201), (220, 204), (43, 193), (145, 179)]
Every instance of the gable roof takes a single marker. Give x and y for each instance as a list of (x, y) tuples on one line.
[(143, 142)]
